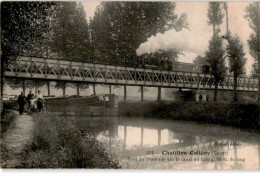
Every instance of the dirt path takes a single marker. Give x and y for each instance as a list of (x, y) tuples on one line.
[(15, 139)]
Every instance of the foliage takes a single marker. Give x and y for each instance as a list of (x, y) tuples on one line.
[(79, 86), (118, 28), (58, 144), (216, 59), (253, 17), (236, 56), (200, 60), (215, 14), (254, 70), (17, 83), (61, 85), (69, 35), (237, 59), (7, 118), (230, 114), (22, 24)]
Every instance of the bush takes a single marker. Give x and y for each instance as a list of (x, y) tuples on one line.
[(58, 144), (7, 118), (230, 114)]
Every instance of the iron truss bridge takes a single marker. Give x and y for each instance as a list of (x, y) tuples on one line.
[(61, 70)]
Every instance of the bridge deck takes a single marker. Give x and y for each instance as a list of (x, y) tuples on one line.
[(53, 69)]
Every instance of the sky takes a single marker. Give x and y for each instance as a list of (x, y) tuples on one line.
[(195, 40)]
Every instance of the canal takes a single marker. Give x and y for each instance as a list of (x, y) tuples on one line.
[(145, 143)]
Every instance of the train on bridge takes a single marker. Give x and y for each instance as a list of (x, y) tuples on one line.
[(166, 65)]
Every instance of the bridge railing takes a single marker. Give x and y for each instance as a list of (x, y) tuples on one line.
[(53, 69)]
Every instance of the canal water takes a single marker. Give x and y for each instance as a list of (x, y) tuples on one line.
[(145, 143)]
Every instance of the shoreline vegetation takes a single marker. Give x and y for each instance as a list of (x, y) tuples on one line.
[(7, 117), (58, 144), (238, 115)]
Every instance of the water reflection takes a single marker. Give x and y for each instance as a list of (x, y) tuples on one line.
[(129, 139)]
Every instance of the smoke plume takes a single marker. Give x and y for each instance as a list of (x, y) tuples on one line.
[(183, 41)]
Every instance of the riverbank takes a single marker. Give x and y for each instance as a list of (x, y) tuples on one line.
[(7, 117), (245, 116), (15, 139), (57, 143)]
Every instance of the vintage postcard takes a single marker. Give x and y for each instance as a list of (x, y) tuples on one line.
[(130, 85)]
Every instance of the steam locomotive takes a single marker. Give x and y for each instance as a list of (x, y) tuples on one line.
[(166, 65)]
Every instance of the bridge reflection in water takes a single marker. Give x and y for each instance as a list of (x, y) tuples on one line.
[(131, 138)]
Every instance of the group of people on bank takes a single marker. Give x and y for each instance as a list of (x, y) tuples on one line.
[(35, 103)]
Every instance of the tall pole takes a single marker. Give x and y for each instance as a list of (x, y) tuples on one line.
[(125, 92), (94, 89), (226, 9), (142, 93), (159, 94), (110, 90)]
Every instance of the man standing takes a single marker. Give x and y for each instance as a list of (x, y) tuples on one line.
[(29, 97), (21, 102), (40, 100)]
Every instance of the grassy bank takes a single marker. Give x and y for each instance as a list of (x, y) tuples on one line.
[(58, 144), (7, 118), (231, 114)]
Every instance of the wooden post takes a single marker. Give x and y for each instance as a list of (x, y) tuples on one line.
[(142, 93), (64, 89), (94, 90), (110, 90), (125, 93), (159, 94), (48, 87), (78, 89)]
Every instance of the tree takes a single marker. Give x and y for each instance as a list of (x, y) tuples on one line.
[(118, 28), (254, 70), (200, 60), (253, 17), (79, 86), (216, 60), (15, 83), (61, 85), (226, 11), (69, 38), (215, 15), (69, 32), (36, 84), (21, 24), (237, 59)]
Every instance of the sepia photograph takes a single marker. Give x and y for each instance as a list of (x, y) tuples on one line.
[(139, 85)]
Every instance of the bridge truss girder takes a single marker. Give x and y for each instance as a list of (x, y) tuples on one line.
[(60, 70)]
